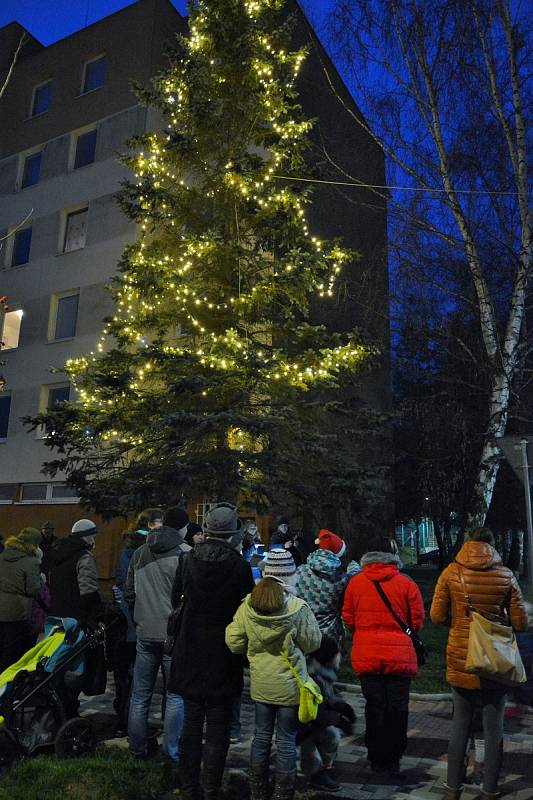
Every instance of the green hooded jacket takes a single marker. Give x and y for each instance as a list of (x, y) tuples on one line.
[(20, 582), (262, 638)]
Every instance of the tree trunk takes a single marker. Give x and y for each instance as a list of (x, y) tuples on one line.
[(491, 453)]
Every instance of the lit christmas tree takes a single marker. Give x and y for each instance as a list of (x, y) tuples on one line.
[(200, 381)]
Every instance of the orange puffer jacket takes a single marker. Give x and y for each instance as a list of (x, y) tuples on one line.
[(491, 587)]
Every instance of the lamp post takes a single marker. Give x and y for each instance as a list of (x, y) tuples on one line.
[(527, 491)]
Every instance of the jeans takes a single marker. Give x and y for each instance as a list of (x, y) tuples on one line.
[(318, 750), (286, 720), (491, 698), (235, 730), (386, 715), (217, 716), (150, 657)]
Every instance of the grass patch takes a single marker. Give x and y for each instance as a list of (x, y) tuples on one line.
[(432, 677), (111, 774)]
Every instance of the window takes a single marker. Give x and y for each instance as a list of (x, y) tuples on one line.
[(32, 170), (85, 149), (30, 492), (41, 98), (94, 75), (75, 230), (64, 316), (5, 407), (10, 333), (47, 493), (8, 492), (57, 395), (60, 491), (21, 247)]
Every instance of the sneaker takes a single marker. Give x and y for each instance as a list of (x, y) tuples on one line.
[(324, 781)]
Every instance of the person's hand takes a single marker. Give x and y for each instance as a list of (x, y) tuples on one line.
[(345, 710)]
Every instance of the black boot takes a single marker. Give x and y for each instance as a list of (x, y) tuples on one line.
[(214, 761), (259, 782), (284, 785)]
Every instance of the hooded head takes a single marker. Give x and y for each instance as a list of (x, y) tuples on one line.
[(27, 541)]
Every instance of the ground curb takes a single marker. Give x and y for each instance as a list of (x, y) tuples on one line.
[(428, 698)]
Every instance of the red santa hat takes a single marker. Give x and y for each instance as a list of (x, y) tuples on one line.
[(330, 541)]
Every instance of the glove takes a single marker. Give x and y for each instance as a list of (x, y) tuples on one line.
[(344, 709), (117, 594), (345, 725)]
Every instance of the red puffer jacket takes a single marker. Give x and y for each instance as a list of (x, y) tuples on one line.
[(379, 645)]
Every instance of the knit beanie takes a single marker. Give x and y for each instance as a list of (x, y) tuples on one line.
[(84, 527), (192, 529), (279, 564), (222, 521), (330, 541), (176, 518), (29, 536)]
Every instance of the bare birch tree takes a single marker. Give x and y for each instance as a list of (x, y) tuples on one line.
[(446, 90), (7, 77)]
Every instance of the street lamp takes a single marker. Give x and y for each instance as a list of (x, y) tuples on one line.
[(515, 451)]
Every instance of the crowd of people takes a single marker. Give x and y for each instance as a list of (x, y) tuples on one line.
[(199, 603)]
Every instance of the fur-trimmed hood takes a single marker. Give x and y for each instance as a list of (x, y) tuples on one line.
[(378, 557), (23, 548)]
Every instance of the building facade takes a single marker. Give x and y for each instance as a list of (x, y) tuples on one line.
[(65, 116)]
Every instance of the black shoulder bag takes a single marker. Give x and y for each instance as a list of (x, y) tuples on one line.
[(418, 644)]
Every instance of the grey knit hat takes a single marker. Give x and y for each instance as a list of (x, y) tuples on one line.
[(84, 527), (222, 520)]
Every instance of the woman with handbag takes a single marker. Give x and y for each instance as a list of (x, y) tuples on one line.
[(384, 611), (475, 584), (275, 630)]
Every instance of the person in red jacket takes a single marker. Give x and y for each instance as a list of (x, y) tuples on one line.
[(383, 655)]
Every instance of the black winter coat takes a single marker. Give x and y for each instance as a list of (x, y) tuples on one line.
[(73, 581), (214, 579)]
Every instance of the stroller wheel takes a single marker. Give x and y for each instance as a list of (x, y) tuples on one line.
[(75, 738)]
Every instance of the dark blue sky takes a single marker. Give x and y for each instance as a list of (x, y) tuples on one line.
[(50, 20)]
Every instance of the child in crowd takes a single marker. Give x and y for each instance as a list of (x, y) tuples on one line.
[(319, 741), (271, 626)]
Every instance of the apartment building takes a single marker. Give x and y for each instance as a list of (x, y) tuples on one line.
[(64, 117)]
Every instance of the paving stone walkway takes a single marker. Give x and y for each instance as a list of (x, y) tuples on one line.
[(423, 767)]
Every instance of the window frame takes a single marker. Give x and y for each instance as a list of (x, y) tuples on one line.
[(70, 213), (25, 158), (35, 89), (13, 249), (54, 308), (3, 395), (13, 499), (86, 67), (48, 498), (3, 316), (76, 138)]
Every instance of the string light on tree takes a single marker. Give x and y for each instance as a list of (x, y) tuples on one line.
[(211, 332)]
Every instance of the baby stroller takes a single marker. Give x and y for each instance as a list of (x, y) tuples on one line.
[(36, 694)]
